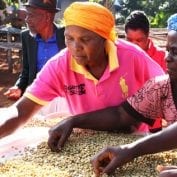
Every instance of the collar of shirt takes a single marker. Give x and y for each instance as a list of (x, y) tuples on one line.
[(51, 39), (46, 50), (151, 48), (113, 64)]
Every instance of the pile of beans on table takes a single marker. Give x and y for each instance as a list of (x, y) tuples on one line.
[(74, 159)]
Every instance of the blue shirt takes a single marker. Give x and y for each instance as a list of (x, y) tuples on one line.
[(46, 50)]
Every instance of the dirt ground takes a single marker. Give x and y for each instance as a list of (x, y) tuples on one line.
[(7, 78)]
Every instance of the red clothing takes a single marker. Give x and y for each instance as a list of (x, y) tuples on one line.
[(157, 54)]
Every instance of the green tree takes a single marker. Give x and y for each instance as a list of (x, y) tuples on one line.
[(2, 4), (158, 11)]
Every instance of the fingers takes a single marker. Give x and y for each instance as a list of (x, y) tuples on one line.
[(111, 167), (160, 168), (7, 93), (10, 91), (53, 141), (63, 139), (13, 96), (57, 139), (13, 93), (168, 173), (99, 161), (106, 161)]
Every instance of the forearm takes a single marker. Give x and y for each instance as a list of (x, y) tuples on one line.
[(16, 115), (9, 121), (9, 127), (158, 142), (104, 119)]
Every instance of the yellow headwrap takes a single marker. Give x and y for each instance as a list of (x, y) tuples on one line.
[(92, 16)]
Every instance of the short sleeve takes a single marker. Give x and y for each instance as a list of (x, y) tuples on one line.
[(47, 84), (147, 101)]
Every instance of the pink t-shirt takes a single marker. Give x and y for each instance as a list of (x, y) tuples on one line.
[(155, 99), (128, 69)]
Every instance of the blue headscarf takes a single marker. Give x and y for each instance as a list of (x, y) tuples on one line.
[(172, 22)]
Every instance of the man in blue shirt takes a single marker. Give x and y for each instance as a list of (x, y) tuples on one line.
[(42, 40)]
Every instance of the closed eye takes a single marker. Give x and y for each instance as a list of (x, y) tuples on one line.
[(68, 38), (85, 39)]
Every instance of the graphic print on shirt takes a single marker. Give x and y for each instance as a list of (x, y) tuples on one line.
[(75, 89), (124, 87)]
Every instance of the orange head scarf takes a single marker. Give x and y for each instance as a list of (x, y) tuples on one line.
[(91, 16)]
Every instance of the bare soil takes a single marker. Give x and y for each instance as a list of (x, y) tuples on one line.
[(7, 78)]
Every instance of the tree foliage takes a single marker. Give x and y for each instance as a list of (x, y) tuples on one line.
[(158, 11), (2, 4)]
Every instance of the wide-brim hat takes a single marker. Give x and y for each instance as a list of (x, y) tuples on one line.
[(49, 5)]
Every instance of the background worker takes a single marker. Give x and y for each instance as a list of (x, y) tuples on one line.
[(137, 29), (42, 40)]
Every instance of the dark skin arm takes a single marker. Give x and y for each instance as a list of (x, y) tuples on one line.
[(108, 119), (117, 156), (26, 108)]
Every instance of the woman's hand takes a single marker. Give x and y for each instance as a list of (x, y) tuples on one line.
[(110, 158), (59, 134)]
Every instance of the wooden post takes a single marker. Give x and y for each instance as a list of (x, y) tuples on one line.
[(9, 51)]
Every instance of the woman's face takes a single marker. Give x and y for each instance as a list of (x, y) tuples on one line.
[(171, 57), (86, 47), (138, 37)]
